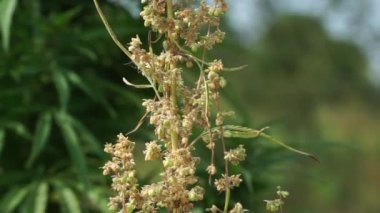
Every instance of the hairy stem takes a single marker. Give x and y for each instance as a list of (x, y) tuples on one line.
[(173, 100), (226, 172), (169, 5)]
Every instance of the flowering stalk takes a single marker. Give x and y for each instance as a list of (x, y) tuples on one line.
[(177, 108)]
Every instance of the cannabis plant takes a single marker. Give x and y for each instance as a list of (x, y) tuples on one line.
[(184, 114)]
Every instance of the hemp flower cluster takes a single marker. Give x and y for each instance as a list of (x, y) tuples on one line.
[(276, 204), (185, 29)]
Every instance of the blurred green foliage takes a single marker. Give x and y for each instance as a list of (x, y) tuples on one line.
[(314, 92), (61, 98)]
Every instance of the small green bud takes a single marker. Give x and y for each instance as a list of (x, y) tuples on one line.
[(212, 75), (222, 82), (189, 64), (194, 48), (196, 193), (130, 207), (218, 12), (165, 45), (168, 163), (219, 120), (211, 85)]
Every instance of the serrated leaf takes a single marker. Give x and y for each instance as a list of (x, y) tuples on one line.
[(2, 140), (7, 9), (69, 201), (72, 144), (41, 136), (13, 198), (62, 87), (41, 198)]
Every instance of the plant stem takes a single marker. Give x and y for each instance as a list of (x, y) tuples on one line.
[(173, 100), (227, 200), (173, 87), (169, 7), (226, 172)]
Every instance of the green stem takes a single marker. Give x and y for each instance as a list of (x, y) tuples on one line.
[(227, 200), (173, 100), (110, 31), (169, 7), (119, 44)]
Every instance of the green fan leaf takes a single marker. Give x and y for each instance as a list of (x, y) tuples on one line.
[(41, 136), (62, 87), (69, 201), (99, 198), (37, 198), (19, 129), (72, 144), (41, 198), (2, 140), (7, 9), (87, 137), (13, 198), (76, 80), (12, 177)]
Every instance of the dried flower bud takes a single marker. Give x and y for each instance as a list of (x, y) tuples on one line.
[(136, 41), (222, 82), (219, 119), (213, 209), (189, 64), (152, 151), (225, 182), (238, 208), (216, 66), (108, 148), (235, 156), (281, 193), (211, 169), (273, 205), (196, 193), (212, 75)]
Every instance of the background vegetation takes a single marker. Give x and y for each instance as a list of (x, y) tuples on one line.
[(62, 98)]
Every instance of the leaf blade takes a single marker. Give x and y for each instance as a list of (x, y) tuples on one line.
[(2, 139), (19, 128), (13, 198), (7, 9), (72, 144), (87, 136), (77, 81), (62, 87), (41, 137), (232, 131), (70, 202), (41, 198)]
